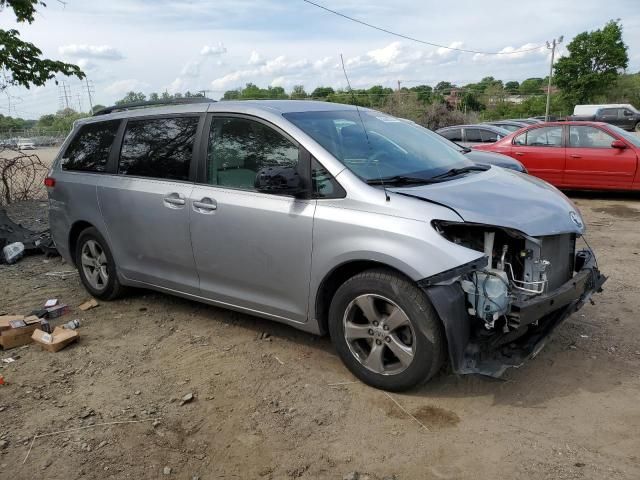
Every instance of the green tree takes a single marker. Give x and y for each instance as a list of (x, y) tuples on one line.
[(594, 62), (298, 92), (21, 62), (512, 87), (322, 92), (62, 121), (231, 95), (153, 97), (424, 93), (532, 86), (444, 88), (132, 97)]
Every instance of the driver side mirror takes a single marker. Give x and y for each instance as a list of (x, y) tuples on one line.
[(281, 181), (618, 144)]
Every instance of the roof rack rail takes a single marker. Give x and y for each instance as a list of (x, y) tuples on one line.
[(153, 103)]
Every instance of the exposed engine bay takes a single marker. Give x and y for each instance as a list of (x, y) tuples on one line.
[(519, 267), (527, 286)]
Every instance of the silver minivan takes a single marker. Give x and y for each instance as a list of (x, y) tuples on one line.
[(329, 218)]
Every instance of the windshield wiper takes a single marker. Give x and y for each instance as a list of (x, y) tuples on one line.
[(398, 180), (459, 171)]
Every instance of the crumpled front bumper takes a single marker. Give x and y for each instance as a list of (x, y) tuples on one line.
[(537, 317)]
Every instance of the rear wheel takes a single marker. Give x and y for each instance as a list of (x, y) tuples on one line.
[(386, 331), (637, 127), (96, 265)]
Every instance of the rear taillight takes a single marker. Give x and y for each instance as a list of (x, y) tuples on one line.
[(49, 182)]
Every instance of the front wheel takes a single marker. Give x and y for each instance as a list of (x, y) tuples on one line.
[(386, 331)]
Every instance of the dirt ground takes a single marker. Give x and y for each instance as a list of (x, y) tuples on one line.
[(275, 403)]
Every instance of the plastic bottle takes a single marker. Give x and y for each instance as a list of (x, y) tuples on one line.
[(13, 252)]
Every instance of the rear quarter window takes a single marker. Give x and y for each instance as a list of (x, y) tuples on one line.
[(89, 150)]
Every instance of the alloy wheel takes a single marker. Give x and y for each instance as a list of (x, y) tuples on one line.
[(379, 334), (94, 265)]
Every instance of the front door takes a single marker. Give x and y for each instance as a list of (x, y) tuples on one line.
[(252, 249), (593, 163), (542, 151), (145, 206)]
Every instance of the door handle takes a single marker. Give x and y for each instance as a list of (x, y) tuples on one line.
[(573, 155), (207, 204), (174, 200), (519, 153)]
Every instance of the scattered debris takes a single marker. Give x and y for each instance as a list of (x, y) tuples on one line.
[(9, 360), (264, 335), (72, 324), (12, 233), (339, 384), (16, 330), (62, 274), (187, 398), (279, 361), (88, 305), (12, 252), (57, 340), (52, 302), (406, 412), (167, 470), (59, 432), (57, 311), (1, 380)]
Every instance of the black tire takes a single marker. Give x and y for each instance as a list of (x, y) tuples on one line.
[(427, 330), (637, 127), (112, 288)]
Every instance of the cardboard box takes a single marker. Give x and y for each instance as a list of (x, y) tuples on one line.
[(56, 340), (16, 337), (6, 319)]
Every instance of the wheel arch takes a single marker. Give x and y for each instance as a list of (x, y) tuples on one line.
[(74, 233), (335, 278)]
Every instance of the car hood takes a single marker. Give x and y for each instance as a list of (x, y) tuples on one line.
[(504, 198), (493, 158)]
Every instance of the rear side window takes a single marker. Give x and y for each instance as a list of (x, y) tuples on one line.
[(89, 149), (488, 136), (473, 135), (158, 147), (540, 137), (455, 134)]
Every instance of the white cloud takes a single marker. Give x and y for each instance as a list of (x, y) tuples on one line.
[(255, 59), (191, 69), (214, 50), (121, 87), (101, 52)]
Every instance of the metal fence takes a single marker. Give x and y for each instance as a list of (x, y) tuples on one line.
[(40, 138)]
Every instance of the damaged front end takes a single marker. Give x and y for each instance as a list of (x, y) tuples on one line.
[(498, 310)]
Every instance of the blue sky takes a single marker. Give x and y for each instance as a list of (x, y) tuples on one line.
[(194, 45)]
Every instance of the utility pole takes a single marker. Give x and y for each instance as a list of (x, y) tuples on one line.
[(79, 97), (204, 92), (64, 93), (551, 46), (90, 90), (398, 85)]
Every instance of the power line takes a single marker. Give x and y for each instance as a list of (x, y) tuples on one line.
[(406, 37)]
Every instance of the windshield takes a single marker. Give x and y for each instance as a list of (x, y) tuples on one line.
[(390, 147), (630, 137)]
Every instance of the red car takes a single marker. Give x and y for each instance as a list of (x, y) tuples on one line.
[(580, 155)]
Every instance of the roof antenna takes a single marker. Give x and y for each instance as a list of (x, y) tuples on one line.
[(353, 97)]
